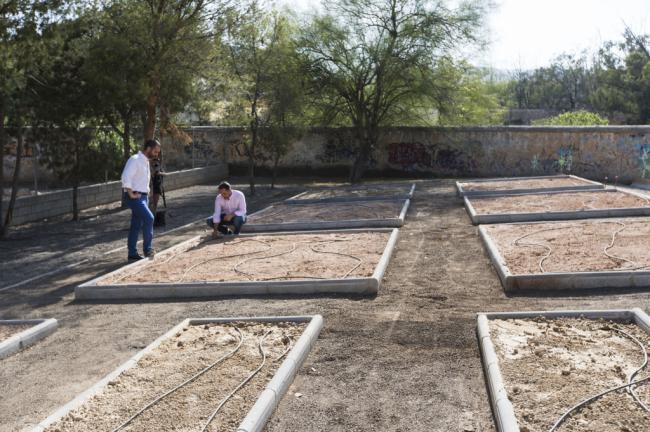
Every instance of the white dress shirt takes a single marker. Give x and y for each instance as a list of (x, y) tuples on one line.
[(236, 205), (136, 174)]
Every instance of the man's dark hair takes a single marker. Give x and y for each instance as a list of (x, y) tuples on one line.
[(224, 185), (151, 143)]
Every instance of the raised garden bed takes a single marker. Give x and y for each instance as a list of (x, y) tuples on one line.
[(545, 370), (592, 253), (556, 206), (511, 185), (205, 374), (351, 261)]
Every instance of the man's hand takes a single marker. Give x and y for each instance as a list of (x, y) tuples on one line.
[(133, 195), (229, 217)]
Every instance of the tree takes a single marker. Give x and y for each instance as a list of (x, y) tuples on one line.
[(622, 71), (372, 62), (21, 31), (63, 119), (257, 50)]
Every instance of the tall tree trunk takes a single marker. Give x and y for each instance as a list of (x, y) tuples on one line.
[(126, 136), (274, 176), (75, 186), (251, 158), (150, 122), (3, 140), (14, 182)]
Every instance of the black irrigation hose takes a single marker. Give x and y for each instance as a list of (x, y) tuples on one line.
[(226, 256), (630, 390), (241, 384), (184, 383), (627, 386)]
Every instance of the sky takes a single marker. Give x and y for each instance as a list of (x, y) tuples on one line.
[(529, 33)]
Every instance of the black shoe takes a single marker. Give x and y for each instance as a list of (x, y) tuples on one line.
[(150, 253), (135, 257)]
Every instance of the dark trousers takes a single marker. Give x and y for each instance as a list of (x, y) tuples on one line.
[(236, 222)]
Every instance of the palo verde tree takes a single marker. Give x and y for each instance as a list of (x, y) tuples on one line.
[(371, 62), (256, 49)]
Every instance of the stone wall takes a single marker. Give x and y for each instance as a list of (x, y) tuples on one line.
[(594, 152), (38, 207)]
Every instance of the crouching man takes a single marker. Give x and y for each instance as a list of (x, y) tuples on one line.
[(229, 211)]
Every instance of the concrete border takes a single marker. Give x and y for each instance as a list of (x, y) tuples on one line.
[(559, 281), (396, 196), (590, 185), (266, 402), (504, 413), (395, 222), (91, 290), (477, 218), (41, 328)]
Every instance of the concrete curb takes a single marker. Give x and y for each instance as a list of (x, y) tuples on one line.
[(396, 196), (91, 290), (262, 409), (561, 280), (477, 218), (331, 225), (41, 328), (590, 185), (504, 413)]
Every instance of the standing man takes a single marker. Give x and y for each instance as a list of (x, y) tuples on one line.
[(229, 211), (135, 183)]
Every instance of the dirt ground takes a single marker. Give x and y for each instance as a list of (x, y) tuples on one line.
[(262, 258), (615, 244), (406, 359), (569, 201), (549, 366), (8, 330), (175, 361), (367, 190), (290, 213), (504, 185)]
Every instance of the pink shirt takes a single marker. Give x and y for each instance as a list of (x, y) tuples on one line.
[(236, 204)]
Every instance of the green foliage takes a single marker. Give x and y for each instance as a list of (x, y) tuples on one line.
[(573, 118), (374, 63)]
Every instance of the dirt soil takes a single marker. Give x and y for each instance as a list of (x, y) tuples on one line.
[(263, 258), (178, 359), (369, 190), (559, 202), (404, 360), (616, 244), (550, 365), (326, 212), (541, 183), (8, 330)]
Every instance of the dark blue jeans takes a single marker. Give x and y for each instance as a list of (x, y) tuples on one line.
[(141, 220), (236, 223)]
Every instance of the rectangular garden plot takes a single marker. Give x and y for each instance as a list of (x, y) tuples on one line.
[(591, 253), (334, 215), (351, 261), (556, 206), (18, 334), (203, 375), (567, 370), (366, 192), (512, 185)]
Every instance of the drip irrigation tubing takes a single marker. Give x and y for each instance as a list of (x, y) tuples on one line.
[(627, 386), (241, 384), (184, 383)]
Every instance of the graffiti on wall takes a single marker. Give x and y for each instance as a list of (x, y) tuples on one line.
[(417, 156), (564, 161), (644, 156)]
